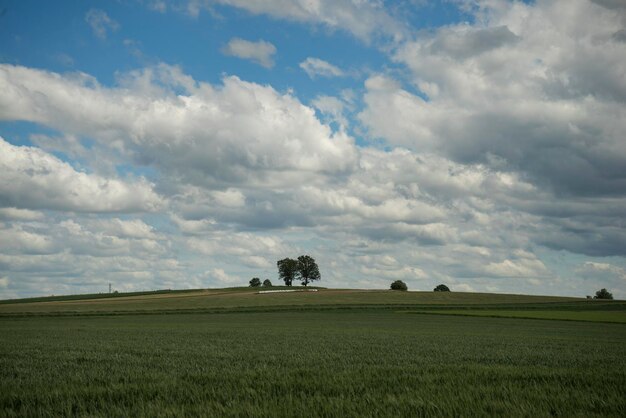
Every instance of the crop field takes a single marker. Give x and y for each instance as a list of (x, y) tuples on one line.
[(306, 361)]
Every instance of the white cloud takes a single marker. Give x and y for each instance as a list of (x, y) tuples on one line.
[(527, 98), (315, 67), (260, 52), (4, 282), (602, 270), (238, 132), (333, 109), (364, 19), (230, 198), (34, 179), (83, 254), (20, 214), (16, 240), (158, 5), (223, 278), (523, 89), (398, 273), (516, 268), (101, 23), (193, 227)]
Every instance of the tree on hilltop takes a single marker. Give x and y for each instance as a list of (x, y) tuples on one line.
[(255, 282), (308, 270), (603, 294), (267, 283), (287, 270), (399, 285), (441, 288)]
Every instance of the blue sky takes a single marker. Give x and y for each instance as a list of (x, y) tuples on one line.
[(193, 143)]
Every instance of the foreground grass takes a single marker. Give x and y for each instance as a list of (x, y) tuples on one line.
[(334, 363)]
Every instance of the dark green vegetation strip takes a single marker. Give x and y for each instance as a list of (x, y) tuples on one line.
[(608, 315), (327, 363)]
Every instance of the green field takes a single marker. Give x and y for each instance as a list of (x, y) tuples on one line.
[(245, 298), (355, 354)]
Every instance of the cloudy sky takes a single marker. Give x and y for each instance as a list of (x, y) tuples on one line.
[(158, 144)]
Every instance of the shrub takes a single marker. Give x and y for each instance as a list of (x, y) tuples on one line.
[(442, 288), (267, 283), (398, 285)]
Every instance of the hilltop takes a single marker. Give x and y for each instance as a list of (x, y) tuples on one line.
[(246, 298)]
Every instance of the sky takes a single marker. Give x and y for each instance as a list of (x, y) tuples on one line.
[(155, 144)]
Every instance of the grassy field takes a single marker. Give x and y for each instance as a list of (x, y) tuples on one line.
[(308, 358), (357, 363), (246, 298)]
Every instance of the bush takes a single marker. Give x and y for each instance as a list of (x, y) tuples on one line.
[(267, 283), (442, 288), (603, 294), (398, 285), (255, 282)]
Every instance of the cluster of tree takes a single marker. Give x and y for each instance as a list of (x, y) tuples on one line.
[(441, 288), (304, 269), (399, 285), (603, 294), (256, 282)]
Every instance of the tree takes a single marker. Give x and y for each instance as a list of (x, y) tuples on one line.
[(267, 283), (287, 270), (603, 294), (399, 285), (308, 270), (255, 282), (441, 288)]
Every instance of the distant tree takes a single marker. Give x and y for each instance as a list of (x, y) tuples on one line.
[(398, 285), (308, 270), (267, 283), (603, 294), (441, 288), (287, 270), (255, 282)]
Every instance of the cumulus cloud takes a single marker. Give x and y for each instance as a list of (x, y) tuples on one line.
[(17, 240), (101, 23), (528, 92), (20, 214), (526, 95), (220, 277), (315, 67), (82, 254), (34, 179), (602, 270), (229, 134), (332, 108), (260, 52), (363, 19)]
